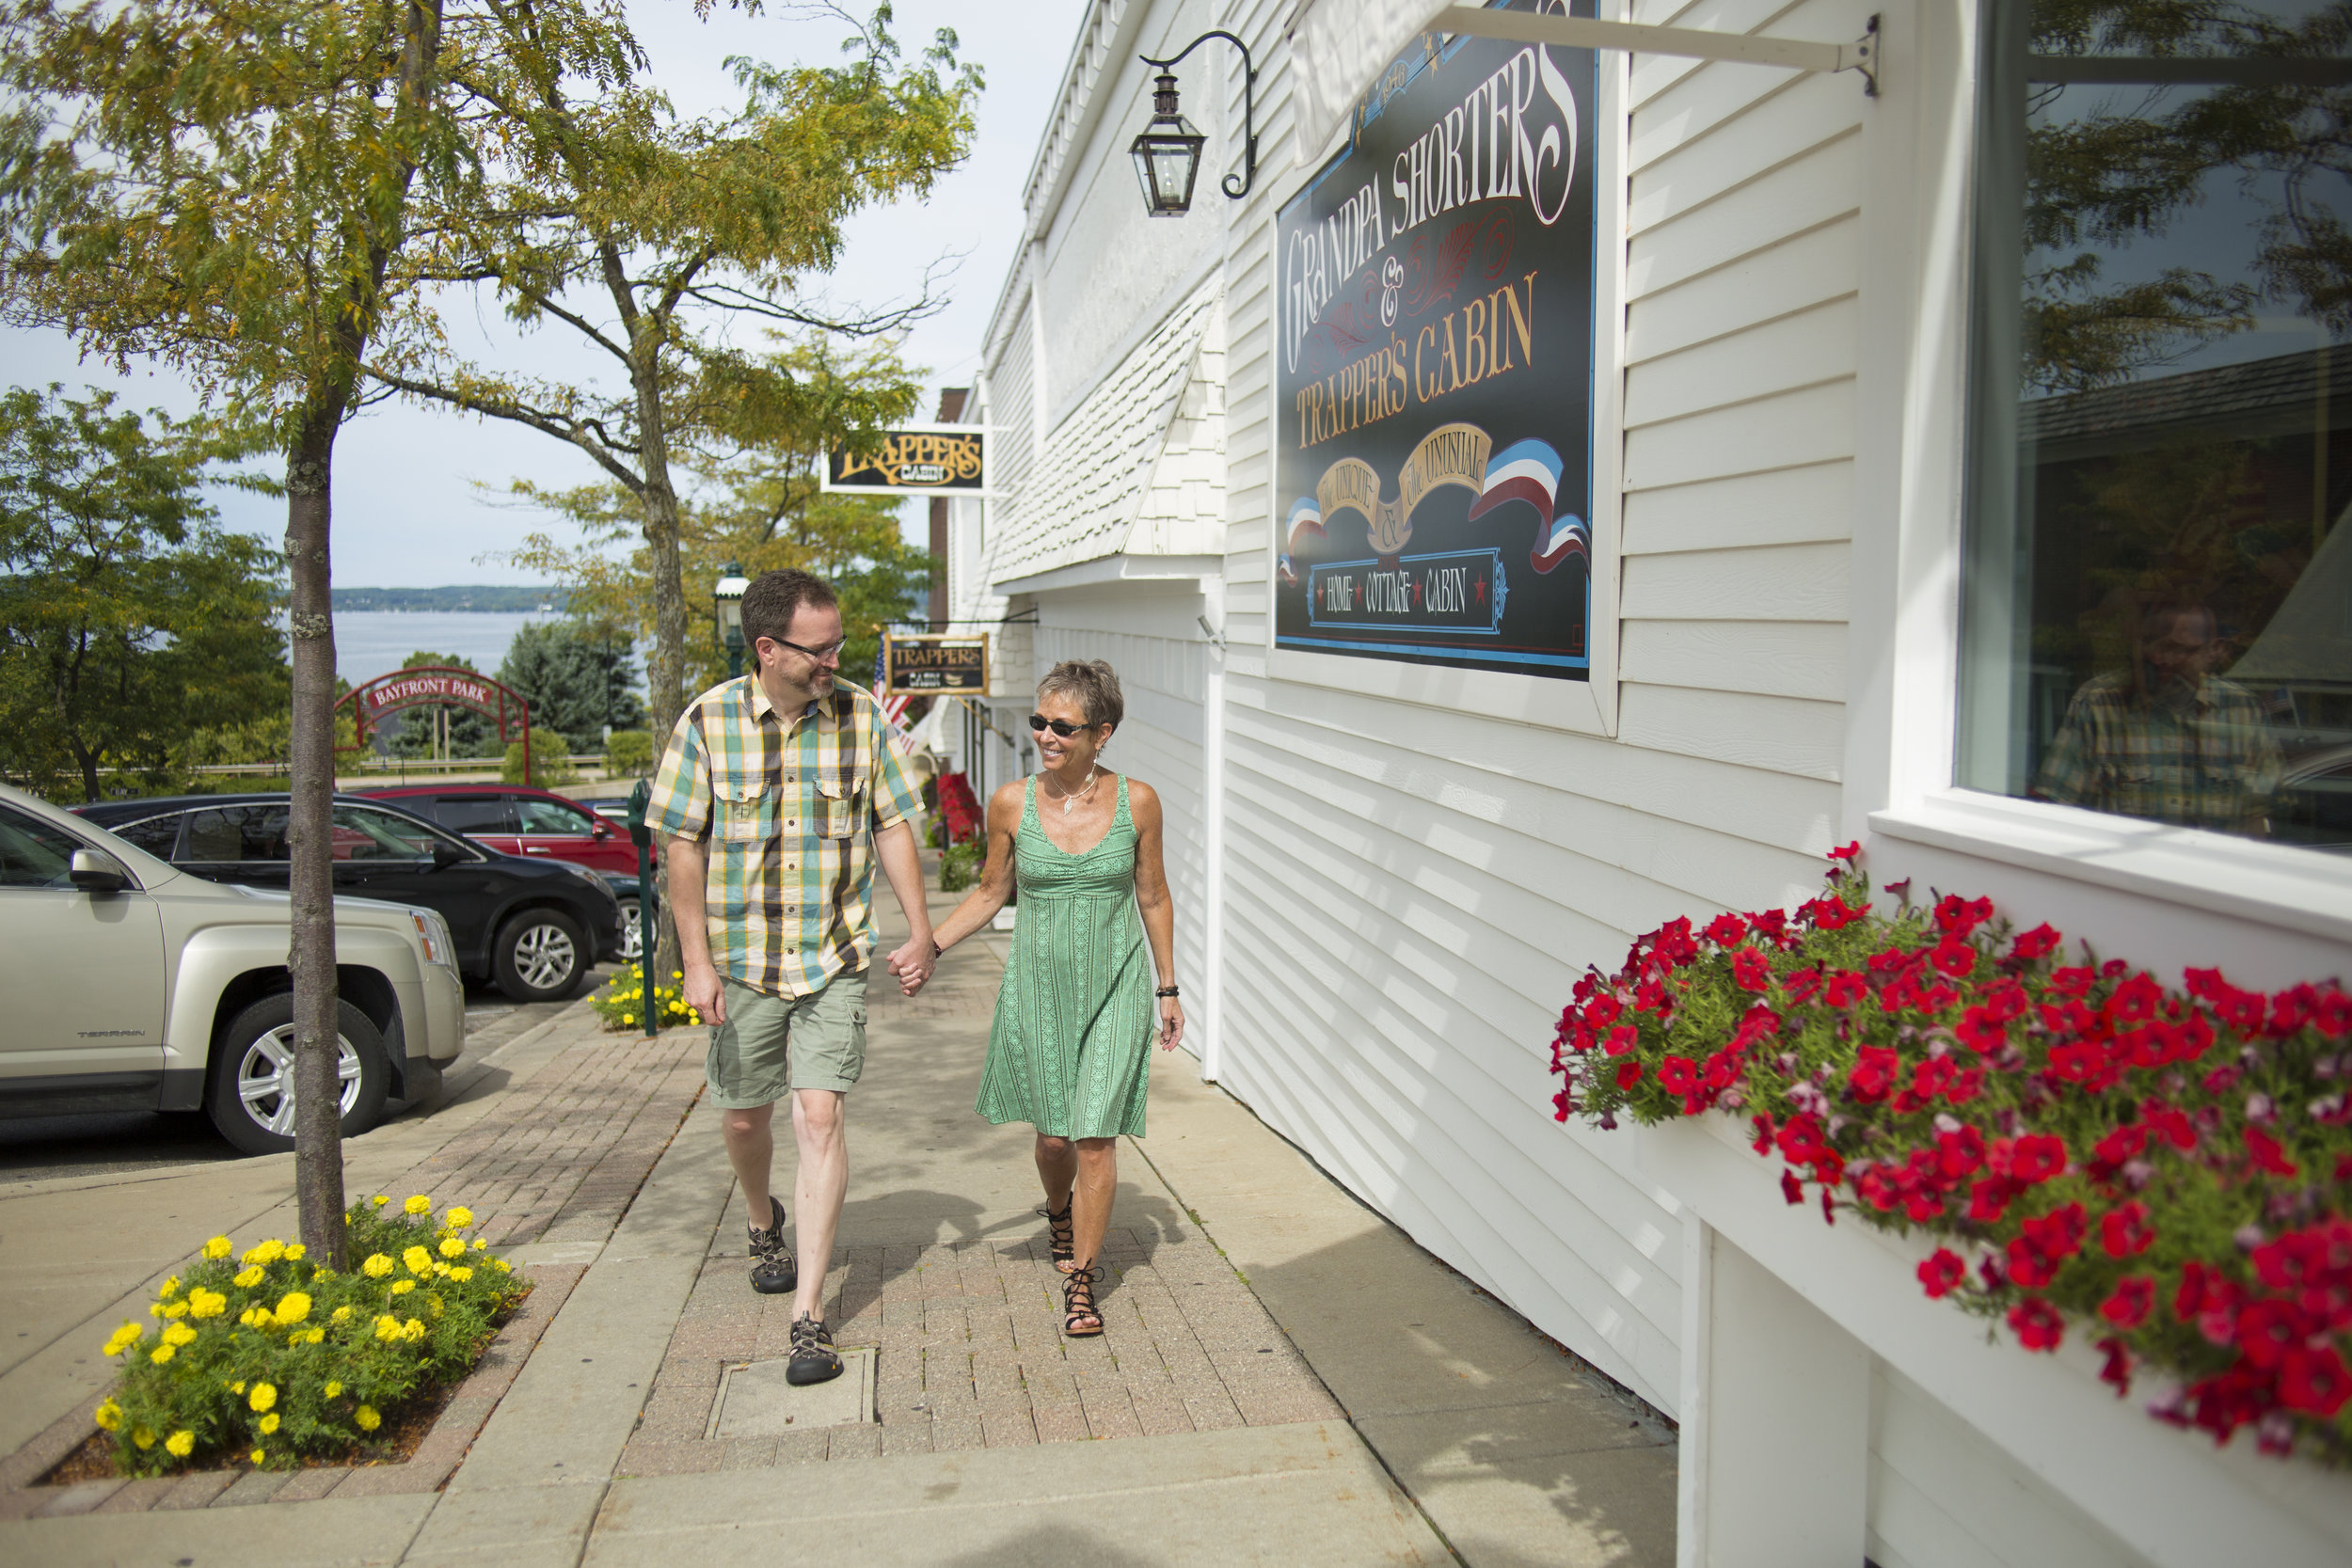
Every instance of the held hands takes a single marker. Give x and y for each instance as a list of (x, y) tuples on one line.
[(1171, 1023), (913, 963)]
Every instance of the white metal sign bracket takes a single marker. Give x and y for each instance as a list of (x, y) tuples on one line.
[(1577, 32)]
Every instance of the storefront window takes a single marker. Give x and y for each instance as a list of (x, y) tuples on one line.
[(2157, 606)]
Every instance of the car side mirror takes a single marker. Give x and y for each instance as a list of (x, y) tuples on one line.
[(446, 854), (601, 829), (96, 871)]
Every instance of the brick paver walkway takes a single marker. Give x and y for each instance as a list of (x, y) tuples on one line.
[(971, 1354)]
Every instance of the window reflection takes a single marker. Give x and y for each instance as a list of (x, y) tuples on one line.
[(2157, 619)]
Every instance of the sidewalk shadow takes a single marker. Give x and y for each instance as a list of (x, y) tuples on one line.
[(1054, 1545)]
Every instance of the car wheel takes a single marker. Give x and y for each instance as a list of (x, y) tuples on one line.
[(632, 934), (252, 1096), (539, 956)]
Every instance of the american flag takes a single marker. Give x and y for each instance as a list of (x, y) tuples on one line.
[(894, 707)]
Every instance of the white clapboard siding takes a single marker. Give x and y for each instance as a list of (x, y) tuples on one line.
[(1410, 891)]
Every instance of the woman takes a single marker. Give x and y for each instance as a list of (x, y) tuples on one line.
[(1069, 1051)]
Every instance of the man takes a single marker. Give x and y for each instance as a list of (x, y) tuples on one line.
[(776, 795), (2166, 739)]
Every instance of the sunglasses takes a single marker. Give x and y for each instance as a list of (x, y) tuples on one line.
[(1039, 722)]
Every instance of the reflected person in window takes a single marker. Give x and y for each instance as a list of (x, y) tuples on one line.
[(2166, 739)]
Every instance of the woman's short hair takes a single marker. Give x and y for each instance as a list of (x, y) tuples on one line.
[(1092, 684)]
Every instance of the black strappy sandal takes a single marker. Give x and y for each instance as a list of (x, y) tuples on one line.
[(1077, 1298), (1065, 1235)]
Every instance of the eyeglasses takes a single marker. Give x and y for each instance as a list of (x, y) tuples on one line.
[(1039, 722), (830, 651)]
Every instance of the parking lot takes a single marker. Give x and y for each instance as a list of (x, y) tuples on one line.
[(38, 1148)]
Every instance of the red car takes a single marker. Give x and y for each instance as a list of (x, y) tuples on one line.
[(521, 822)]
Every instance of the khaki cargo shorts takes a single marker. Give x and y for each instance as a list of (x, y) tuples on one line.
[(769, 1044)]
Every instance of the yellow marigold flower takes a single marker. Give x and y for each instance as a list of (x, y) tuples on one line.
[(386, 1327), (143, 1437), (206, 1304), (402, 1286), (419, 1204), (244, 1280), (294, 1309), (452, 1248), (460, 1217), (180, 1444), (480, 1243), (217, 1248), (628, 1018), (238, 1386), (294, 1252), (377, 1266), (245, 1317), (178, 1334), (123, 1338), (414, 1329), (264, 1253), (502, 1265), (263, 1395), (260, 1458), (174, 1311), (170, 1287), (155, 1308), (461, 1273), (418, 1259), (108, 1414), (341, 1315), (332, 1389), (269, 1423), (365, 1418), (379, 1201), (318, 1336), (162, 1354)]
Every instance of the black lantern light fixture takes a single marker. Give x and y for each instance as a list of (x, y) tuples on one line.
[(1167, 151), (726, 605)]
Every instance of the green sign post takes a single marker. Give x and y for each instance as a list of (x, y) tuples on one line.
[(641, 836)]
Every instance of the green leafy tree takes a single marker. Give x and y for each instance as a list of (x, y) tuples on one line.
[(662, 245), (226, 185), (578, 677), (130, 622)]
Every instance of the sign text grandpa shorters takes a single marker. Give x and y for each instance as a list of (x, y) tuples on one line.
[(1435, 368)]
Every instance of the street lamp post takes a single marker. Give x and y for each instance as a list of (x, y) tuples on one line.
[(1167, 151), (726, 603)]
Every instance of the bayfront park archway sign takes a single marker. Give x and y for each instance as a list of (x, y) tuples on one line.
[(444, 686)]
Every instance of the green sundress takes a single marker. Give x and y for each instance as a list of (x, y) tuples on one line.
[(1070, 1049)]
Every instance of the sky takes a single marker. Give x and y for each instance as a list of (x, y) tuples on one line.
[(408, 512)]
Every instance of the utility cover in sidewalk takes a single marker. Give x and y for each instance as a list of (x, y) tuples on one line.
[(754, 1400)]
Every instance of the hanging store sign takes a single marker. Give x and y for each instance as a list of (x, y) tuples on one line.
[(915, 460), (1435, 368), (911, 665)]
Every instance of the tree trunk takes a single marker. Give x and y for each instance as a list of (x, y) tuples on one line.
[(309, 828)]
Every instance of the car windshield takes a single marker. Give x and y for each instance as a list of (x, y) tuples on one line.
[(550, 817)]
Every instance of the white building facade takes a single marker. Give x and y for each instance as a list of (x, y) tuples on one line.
[(1812, 613)]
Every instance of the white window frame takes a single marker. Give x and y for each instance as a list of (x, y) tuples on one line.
[(1903, 691), (1588, 706)]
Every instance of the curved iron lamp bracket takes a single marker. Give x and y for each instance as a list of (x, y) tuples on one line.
[(1249, 106)]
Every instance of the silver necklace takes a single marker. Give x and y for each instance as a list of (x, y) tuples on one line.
[(1068, 800)]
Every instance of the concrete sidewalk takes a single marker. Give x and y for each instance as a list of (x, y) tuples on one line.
[(1285, 1377)]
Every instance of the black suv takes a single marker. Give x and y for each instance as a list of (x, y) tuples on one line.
[(533, 926)]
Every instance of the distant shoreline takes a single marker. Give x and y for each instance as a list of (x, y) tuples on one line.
[(484, 598)]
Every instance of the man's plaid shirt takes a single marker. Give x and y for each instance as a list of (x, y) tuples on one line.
[(787, 809), (2197, 755)]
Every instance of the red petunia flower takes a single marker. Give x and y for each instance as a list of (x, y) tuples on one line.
[(1849, 852), (1624, 1038), (1803, 985), (1829, 912), (1725, 930), (1845, 988), (1678, 1075), (2029, 1265), (1873, 1074), (1790, 1188), (1751, 970), (2037, 1323), (2038, 1157), (2040, 942), (1941, 1273), (1628, 1075), (2118, 1367), (2133, 1299), (2268, 1155), (2125, 1232), (1954, 955), (2315, 1382)]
